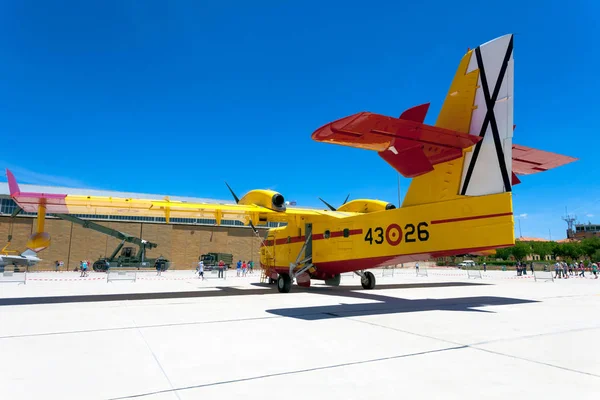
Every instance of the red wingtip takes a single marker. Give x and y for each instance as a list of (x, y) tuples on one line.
[(12, 184)]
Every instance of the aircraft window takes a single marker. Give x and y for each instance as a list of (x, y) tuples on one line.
[(327, 234), (346, 232)]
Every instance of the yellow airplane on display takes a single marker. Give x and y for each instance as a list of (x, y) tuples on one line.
[(459, 200)]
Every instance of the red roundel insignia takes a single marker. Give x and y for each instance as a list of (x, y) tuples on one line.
[(393, 234)]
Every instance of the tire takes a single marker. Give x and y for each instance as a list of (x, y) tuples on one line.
[(368, 282), (284, 283), (335, 281), (99, 266)]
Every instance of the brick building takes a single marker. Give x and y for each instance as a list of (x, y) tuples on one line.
[(181, 241)]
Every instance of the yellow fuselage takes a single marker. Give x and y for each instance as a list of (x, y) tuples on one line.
[(367, 240)]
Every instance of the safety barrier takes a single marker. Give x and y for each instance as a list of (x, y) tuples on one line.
[(13, 277), (543, 275), (387, 272), (214, 274), (348, 275), (112, 276), (474, 273), (422, 272)]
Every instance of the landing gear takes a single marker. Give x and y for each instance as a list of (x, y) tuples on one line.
[(367, 279), (284, 283), (334, 281)]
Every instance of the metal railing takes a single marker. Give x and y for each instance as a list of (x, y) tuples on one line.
[(13, 277), (543, 276), (112, 276)]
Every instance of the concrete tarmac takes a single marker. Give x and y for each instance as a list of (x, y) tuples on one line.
[(441, 336)]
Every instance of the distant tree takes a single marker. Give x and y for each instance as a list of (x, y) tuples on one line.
[(503, 253), (542, 249), (521, 250), (589, 246), (570, 250), (596, 256)]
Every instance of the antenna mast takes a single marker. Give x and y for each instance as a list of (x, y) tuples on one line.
[(570, 220)]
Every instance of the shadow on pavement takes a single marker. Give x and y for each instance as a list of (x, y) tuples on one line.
[(258, 289), (394, 305)]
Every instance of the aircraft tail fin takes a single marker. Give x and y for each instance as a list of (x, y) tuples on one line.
[(29, 252), (478, 103), (13, 186)]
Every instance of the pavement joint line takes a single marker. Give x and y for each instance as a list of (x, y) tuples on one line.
[(293, 372), (139, 331), (125, 328), (474, 347), (359, 311)]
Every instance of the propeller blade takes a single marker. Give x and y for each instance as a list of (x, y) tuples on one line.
[(332, 208), (253, 227), (16, 212), (237, 200), (347, 197)]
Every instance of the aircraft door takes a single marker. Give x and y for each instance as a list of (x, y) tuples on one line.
[(344, 243), (308, 231)]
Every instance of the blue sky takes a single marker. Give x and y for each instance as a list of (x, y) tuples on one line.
[(177, 97)]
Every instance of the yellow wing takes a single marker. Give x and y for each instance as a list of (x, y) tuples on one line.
[(256, 207)]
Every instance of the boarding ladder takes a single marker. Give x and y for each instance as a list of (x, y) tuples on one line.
[(268, 266), (303, 261)]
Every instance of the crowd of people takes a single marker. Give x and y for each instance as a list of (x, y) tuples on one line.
[(564, 270), (561, 269), (242, 268)]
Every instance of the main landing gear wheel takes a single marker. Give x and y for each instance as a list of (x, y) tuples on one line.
[(368, 281), (284, 283)]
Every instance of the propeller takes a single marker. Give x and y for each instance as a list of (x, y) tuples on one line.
[(237, 200), (332, 208)]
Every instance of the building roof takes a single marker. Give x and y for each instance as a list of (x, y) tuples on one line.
[(531, 239)]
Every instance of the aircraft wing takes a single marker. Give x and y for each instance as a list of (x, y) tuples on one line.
[(408, 145), (99, 205)]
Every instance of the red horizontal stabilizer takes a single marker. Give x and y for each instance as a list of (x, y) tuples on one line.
[(410, 161), (380, 133), (526, 160), (417, 113)]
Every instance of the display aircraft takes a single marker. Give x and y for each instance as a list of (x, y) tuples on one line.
[(463, 170), (28, 258)]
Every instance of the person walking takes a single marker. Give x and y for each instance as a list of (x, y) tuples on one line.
[(244, 268), (201, 270), (238, 267)]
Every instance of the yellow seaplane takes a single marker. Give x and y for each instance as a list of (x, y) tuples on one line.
[(463, 169)]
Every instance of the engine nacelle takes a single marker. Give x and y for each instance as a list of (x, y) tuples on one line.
[(264, 198), (366, 206)]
